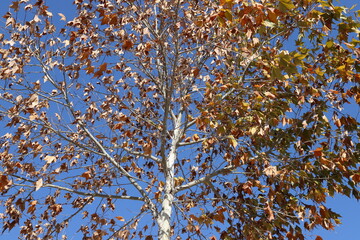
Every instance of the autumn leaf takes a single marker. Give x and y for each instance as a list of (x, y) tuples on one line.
[(198, 113), (271, 171), (232, 141), (287, 4), (4, 182), (32, 206), (38, 184), (147, 148), (318, 152), (269, 212), (50, 159), (87, 175), (120, 218), (127, 44), (63, 18), (103, 67)]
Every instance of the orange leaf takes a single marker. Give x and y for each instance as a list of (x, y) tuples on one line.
[(195, 137), (318, 152), (356, 178), (86, 175), (120, 218)]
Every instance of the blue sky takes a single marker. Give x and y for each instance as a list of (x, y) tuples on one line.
[(348, 208)]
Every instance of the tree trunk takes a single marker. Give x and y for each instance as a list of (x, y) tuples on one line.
[(164, 220)]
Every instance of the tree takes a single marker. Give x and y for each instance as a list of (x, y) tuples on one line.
[(231, 119)]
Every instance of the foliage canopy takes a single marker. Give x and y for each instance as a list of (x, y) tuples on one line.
[(229, 119)]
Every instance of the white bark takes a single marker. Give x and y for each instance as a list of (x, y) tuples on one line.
[(164, 220)]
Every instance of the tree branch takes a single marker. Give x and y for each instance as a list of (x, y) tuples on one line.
[(224, 170)]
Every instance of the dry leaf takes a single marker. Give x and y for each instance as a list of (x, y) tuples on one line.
[(38, 184), (63, 18)]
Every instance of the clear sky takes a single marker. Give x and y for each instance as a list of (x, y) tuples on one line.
[(348, 208)]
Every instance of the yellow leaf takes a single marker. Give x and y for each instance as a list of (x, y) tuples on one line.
[(232, 140), (253, 130), (341, 68), (287, 4), (195, 137)]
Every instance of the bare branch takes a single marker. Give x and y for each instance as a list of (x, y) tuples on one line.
[(224, 170)]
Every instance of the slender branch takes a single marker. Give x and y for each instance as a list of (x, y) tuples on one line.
[(102, 149), (191, 184), (76, 191), (193, 142), (136, 153)]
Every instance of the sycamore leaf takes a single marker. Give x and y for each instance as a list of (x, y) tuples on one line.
[(318, 152), (32, 207), (38, 184), (127, 44), (50, 159), (288, 4), (268, 24), (271, 171), (147, 148), (269, 212), (86, 175), (120, 218), (63, 18), (103, 67), (232, 141), (4, 182)]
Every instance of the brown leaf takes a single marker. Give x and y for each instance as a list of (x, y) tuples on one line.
[(127, 44), (103, 67), (117, 126), (33, 101), (32, 207), (4, 182), (120, 218), (147, 148), (86, 175)]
